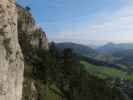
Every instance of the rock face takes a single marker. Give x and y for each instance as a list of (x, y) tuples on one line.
[(11, 59), (31, 38), (30, 34)]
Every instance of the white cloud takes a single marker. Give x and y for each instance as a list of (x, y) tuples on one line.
[(116, 27)]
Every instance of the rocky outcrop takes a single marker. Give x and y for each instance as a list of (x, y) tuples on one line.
[(11, 59), (31, 38), (30, 34)]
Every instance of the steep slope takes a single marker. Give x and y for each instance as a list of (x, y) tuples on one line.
[(11, 59), (28, 31), (31, 38)]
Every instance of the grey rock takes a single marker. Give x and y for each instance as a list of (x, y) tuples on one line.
[(11, 58)]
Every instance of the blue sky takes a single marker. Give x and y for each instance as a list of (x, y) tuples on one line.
[(84, 21)]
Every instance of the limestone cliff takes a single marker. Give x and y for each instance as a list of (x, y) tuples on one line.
[(29, 32), (11, 59), (31, 38)]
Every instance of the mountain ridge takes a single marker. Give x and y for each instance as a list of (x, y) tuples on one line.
[(112, 47)]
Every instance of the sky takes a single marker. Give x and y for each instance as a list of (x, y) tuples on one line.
[(84, 21)]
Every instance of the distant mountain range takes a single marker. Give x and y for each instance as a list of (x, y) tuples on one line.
[(110, 52), (108, 48), (78, 48), (111, 47), (123, 53), (125, 57)]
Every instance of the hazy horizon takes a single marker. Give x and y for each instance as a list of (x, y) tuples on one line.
[(84, 21)]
